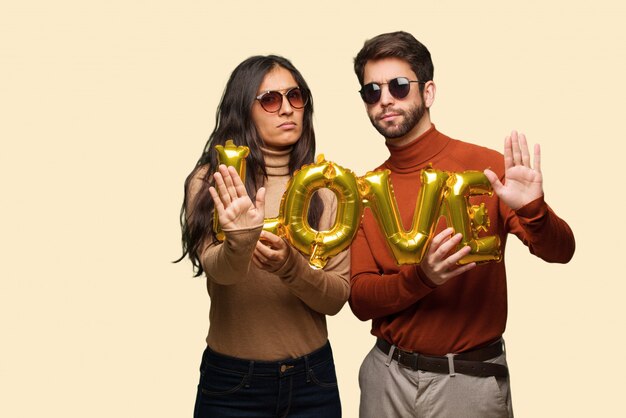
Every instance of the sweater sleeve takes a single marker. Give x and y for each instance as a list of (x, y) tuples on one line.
[(545, 234), (325, 290), (374, 294), (228, 262)]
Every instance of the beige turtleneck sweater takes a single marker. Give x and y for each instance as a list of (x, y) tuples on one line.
[(259, 315)]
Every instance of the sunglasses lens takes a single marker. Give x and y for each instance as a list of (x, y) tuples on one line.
[(271, 101), (399, 87), (296, 98), (370, 93)]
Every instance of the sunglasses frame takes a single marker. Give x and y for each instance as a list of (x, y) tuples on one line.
[(305, 98), (380, 89)]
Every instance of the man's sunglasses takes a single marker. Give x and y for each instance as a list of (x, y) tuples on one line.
[(271, 101), (399, 87)]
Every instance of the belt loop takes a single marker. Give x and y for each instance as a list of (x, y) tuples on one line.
[(390, 355), (249, 376), (451, 364), (306, 367)]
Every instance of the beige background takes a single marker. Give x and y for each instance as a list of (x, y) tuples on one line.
[(105, 107)]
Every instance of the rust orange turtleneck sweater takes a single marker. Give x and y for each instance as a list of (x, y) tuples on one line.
[(468, 311)]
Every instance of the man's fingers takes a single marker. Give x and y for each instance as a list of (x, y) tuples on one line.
[(537, 165), (449, 267), (524, 149), (460, 270), (440, 238), (496, 184), (508, 154), (457, 256), (515, 148), (447, 246)]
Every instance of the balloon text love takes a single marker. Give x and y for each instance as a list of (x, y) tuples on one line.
[(442, 194)]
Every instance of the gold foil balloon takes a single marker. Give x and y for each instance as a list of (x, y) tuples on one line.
[(408, 247), (470, 220), (321, 245), (480, 218), (442, 193), (230, 155), (274, 226)]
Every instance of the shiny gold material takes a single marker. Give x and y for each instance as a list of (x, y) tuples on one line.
[(230, 155), (294, 207), (408, 247), (274, 226), (468, 219), (441, 193)]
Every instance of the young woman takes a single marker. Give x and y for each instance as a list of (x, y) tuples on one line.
[(267, 348)]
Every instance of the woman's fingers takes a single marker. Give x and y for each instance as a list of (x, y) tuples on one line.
[(239, 187), (227, 182), (260, 200), (219, 206), (257, 261), (222, 189)]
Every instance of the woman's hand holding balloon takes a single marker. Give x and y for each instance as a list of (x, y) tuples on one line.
[(234, 208), (271, 252)]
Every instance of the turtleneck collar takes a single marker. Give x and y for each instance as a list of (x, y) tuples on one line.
[(276, 161), (417, 153)]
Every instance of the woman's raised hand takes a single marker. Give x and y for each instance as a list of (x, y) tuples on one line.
[(234, 208)]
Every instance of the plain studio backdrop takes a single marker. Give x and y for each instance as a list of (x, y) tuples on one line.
[(105, 107)]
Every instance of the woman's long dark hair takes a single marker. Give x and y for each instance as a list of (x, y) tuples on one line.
[(233, 120)]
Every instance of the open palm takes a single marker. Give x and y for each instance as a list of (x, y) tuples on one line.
[(523, 183), (234, 208)]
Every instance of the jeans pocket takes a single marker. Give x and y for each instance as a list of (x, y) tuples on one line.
[(215, 381), (323, 374)]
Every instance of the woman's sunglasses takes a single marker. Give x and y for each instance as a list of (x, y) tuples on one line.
[(271, 101), (399, 87)]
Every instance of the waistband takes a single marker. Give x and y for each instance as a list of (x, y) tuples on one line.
[(469, 363), (284, 367)]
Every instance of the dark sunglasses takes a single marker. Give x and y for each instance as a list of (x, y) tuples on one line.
[(399, 87), (271, 101)]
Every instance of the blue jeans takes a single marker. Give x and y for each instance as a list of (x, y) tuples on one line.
[(302, 387)]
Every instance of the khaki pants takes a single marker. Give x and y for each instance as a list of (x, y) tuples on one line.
[(389, 391)]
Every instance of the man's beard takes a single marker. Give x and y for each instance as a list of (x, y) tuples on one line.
[(410, 118)]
